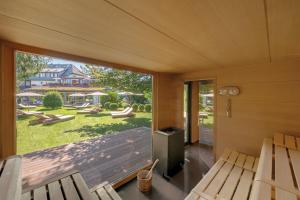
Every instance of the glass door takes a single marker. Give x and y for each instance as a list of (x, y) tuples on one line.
[(206, 112)]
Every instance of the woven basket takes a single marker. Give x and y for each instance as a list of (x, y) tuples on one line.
[(144, 184)]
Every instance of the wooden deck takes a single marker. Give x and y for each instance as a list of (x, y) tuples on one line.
[(108, 158)]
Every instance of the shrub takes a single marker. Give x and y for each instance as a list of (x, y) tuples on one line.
[(125, 105), (135, 107), (120, 105), (112, 97), (138, 99), (148, 107), (53, 100), (141, 108), (113, 106), (107, 105)]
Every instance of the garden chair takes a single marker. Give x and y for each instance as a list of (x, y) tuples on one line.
[(128, 113), (29, 113), (57, 118), (90, 111), (40, 119), (120, 112), (21, 106), (85, 105)]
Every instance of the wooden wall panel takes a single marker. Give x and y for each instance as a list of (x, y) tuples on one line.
[(7, 106), (168, 101), (269, 102)]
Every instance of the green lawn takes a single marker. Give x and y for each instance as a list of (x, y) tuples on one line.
[(37, 137), (208, 122)]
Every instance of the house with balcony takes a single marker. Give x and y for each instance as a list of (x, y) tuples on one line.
[(58, 74)]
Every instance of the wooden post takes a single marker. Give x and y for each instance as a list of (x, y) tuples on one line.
[(8, 102)]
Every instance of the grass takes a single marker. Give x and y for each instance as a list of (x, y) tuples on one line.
[(83, 127), (208, 122)]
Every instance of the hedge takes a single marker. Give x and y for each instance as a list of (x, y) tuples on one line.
[(148, 107), (141, 107), (135, 107), (113, 106)]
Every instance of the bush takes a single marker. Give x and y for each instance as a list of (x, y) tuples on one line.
[(112, 97), (135, 107), (141, 108), (120, 105), (107, 105), (113, 106), (138, 99), (53, 100), (125, 105), (148, 107)]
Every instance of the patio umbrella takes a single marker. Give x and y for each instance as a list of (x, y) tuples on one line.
[(97, 94), (29, 94), (129, 94), (77, 95)]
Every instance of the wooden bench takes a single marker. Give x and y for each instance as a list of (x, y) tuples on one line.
[(10, 178), (70, 186), (104, 191), (278, 173), (230, 177)]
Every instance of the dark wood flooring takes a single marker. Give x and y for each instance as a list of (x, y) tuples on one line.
[(198, 160), (107, 158)]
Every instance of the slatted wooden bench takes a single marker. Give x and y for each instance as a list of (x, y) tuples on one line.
[(230, 177), (70, 186), (104, 191), (10, 178), (278, 173)]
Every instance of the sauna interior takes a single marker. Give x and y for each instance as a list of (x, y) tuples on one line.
[(222, 98)]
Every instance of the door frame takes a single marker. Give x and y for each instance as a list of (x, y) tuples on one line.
[(215, 131), (189, 109)]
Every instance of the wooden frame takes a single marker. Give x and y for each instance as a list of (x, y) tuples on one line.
[(8, 80), (214, 79), (8, 102)]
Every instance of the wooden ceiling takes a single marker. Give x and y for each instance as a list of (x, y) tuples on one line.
[(159, 35)]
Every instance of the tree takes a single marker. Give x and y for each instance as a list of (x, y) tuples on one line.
[(28, 65), (120, 79)]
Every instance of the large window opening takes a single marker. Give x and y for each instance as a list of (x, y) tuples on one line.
[(73, 115)]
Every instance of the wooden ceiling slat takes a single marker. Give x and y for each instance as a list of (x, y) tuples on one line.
[(99, 22), (163, 36), (227, 32), (284, 26)]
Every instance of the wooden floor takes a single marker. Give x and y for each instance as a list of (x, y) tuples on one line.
[(108, 158)]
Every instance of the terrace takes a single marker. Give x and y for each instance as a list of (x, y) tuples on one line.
[(109, 158)]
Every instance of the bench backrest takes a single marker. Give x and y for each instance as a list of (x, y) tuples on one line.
[(10, 178), (278, 169)]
